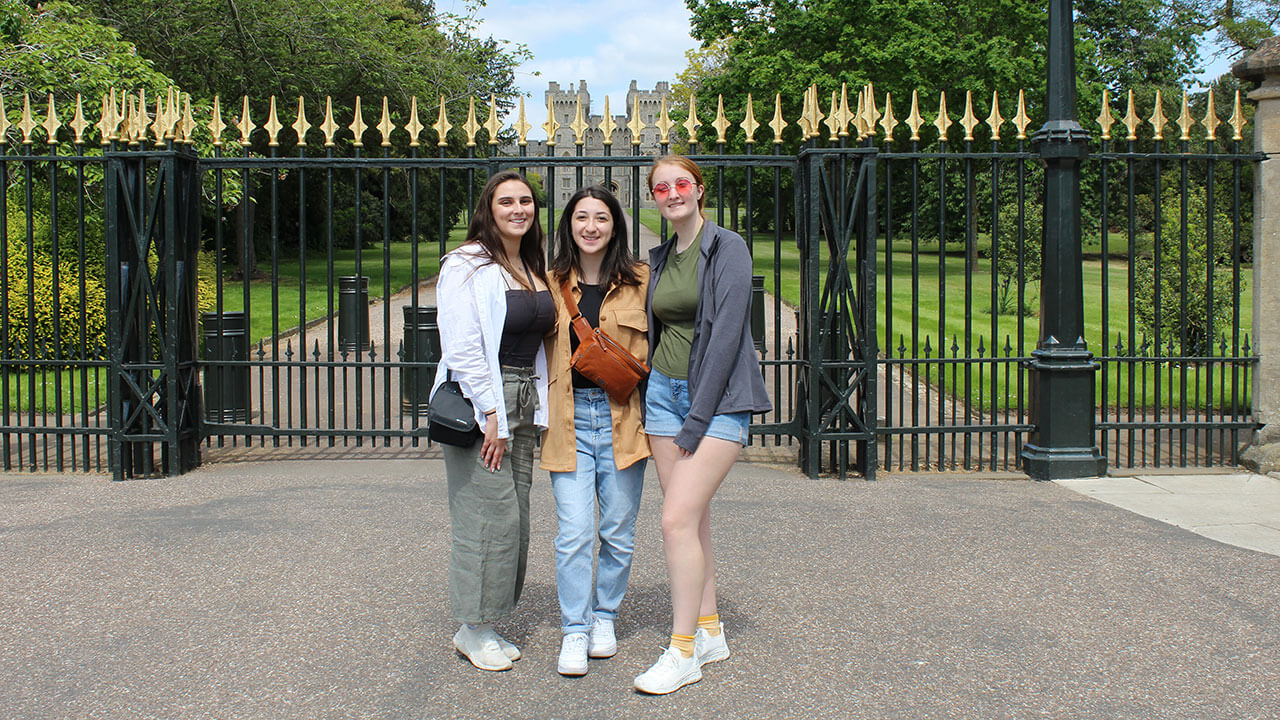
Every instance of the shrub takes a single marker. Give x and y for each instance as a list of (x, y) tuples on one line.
[(1194, 330)]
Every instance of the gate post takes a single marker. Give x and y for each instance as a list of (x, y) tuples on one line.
[(152, 218), (1062, 367), (1263, 65)]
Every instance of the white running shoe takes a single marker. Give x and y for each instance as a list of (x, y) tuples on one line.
[(672, 672), (573, 654), (709, 648), (604, 643), (480, 646)]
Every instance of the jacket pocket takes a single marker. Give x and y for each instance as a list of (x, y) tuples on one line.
[(632, 319)]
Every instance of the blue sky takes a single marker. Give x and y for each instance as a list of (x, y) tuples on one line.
[(605, 42), (608, 43)]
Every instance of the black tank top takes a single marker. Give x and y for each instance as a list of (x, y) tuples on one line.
[(529, 316)]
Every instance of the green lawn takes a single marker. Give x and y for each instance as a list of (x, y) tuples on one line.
[(907, 316), (288, 289)]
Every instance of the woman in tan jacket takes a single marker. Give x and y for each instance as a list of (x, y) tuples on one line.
[(595, 448)]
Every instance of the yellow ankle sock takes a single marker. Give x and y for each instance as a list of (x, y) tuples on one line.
[(683, 643), (710, 623)]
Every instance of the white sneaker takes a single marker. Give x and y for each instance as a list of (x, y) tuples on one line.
[(672, 672), (480, 646), (709, 648), (573, 654), (603, 641)]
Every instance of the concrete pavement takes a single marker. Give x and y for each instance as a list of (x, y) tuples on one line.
[(317, 589), (1233, 507)]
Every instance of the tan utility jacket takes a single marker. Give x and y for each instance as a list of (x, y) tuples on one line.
[(623, 318)]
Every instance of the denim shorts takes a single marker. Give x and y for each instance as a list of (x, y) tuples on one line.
[(666, 405)]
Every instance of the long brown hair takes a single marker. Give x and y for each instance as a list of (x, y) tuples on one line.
[(619, 265), (483, 231)]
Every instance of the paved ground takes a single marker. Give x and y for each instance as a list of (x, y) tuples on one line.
[(305, 589)]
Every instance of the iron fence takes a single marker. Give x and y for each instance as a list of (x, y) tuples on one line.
[(898, 276)]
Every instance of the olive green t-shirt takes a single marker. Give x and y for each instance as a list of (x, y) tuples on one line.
[(675, 303)]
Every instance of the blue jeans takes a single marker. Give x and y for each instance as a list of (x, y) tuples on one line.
[(597, 482)]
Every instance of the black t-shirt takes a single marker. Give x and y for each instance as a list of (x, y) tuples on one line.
[(589, 306)]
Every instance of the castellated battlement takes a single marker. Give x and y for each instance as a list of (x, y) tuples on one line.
[(564, 103)]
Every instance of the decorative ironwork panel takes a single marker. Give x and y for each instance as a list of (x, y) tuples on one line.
[(153, 236)]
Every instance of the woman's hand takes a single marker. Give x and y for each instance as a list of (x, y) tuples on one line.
[(494, 447)]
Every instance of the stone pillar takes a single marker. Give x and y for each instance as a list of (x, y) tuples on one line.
[(1263, 66)]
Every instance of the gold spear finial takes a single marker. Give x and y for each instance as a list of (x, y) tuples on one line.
[(749, 124), (106, 115), (51, 122), (1185, 121), (471, 127), (636, 125), (522, 126), (188, 123), (216, 126), (492, 125), (385, 126), (1131, 119), (1021, 121), (245, 125), (873, 114), (664, 123), (1210, 121), (943, 121), (994, 120), (551, 126), (969, 121), (140, 118), (888, 122), (606, 124), (815, 120), (414, 126), (579, 126), (914, 120), (78, 123), (721, 123), (273, 126), (1237, 119), (1158, 120), (26, 124), (329, 127), (777, 123), (301, 126), (358, 126), (442, 126), (1105, 118), (173, 113), (834, 124), (158, 129), (692, 123), (806, 127)]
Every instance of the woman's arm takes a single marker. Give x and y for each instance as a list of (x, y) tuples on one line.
[(462, 342)]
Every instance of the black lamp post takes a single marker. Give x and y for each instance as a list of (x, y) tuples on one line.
[(1062, 368)]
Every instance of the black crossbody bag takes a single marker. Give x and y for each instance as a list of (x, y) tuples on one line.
[(451, 418)]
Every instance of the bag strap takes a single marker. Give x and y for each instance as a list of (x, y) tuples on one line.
[(581, 327)]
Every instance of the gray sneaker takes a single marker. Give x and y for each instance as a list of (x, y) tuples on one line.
[(604, 643), (480, 646), (573, 655), (709, 648)]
